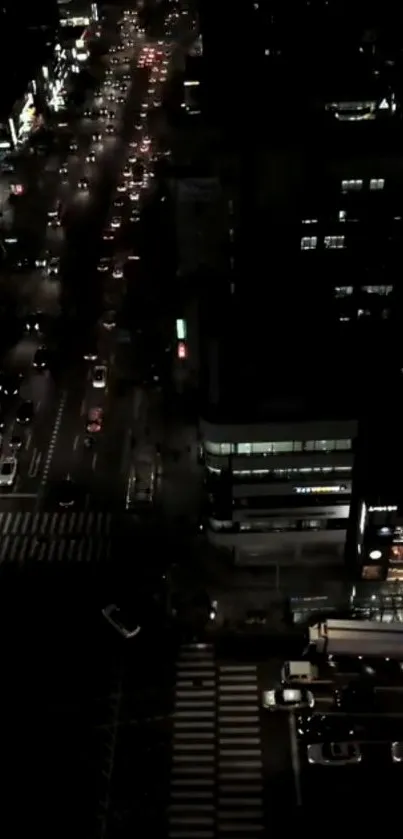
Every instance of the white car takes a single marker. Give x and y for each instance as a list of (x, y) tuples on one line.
[(116, 222), (8, 471), (288, 699), (117, 272), (99, 375)]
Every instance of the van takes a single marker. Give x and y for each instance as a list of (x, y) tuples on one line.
[(300, 672)]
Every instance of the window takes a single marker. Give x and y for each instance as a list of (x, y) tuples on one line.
[(327, 445), (343, 290), (244, 448), (217, 448), (351, 185), (334, 242), (377, 183), (283, 447), (378, 289), (308, 243)]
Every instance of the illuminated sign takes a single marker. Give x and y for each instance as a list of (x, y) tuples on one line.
[(387, 509), (17, 189), (363, 517), (4, 144), (319, 490), (181, 330), (13, 131), (75, 21)]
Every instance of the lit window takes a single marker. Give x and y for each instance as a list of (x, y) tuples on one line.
[(378, 289), (309, 221), (377, 183), (283, 447), (334, 242), (217, 448), (244, 448), (351, 185), (343, 290), (308, 243)]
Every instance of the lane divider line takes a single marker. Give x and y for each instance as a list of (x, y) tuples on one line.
[(53, 439)]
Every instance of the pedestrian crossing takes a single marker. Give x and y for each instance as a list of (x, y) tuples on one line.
[(240, 768), (55, 537), (28, 549), (55, 524), (216, 789)]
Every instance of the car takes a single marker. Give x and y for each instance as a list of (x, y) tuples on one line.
[(99, 376), (55, 211), (103, 112), (288, 699), (108, 235), (34, 323), (117, 272), (120, 100), (134, 216), (109, 130), (42, 261), (122, 187), (8, 471), (83, 184), (87, 112), (66, 493), (396, 750), (111, 114), (90, 354), (121, 619), (10, 384), (15, 443), (132, 159), (25, 413), (334, 754), (22, 264), (54, 223), (109, 320), (104, 264), (94, 420), (64, 171), (41, 359), (116, 222), (53, 266), (91, 158), (97, 137), (73, 148)]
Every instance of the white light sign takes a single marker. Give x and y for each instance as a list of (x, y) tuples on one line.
[(181, 330), (387, 509), (75, 21), (363, 517), (13, 131), (319, 490)]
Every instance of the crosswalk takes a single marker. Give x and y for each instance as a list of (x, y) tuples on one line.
[(55, 524), (240, 769), (28, 549), (216, 789), (55, 537)]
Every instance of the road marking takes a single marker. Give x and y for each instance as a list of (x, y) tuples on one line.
[(76, 440), (83, 408), (52, 444), (94, 461), (18, 495), (28, 440), (35, 469), (296, 767)]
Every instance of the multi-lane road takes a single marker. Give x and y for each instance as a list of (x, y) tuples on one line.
[(100, 177)]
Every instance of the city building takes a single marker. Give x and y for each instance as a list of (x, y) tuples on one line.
[(279, 423)]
